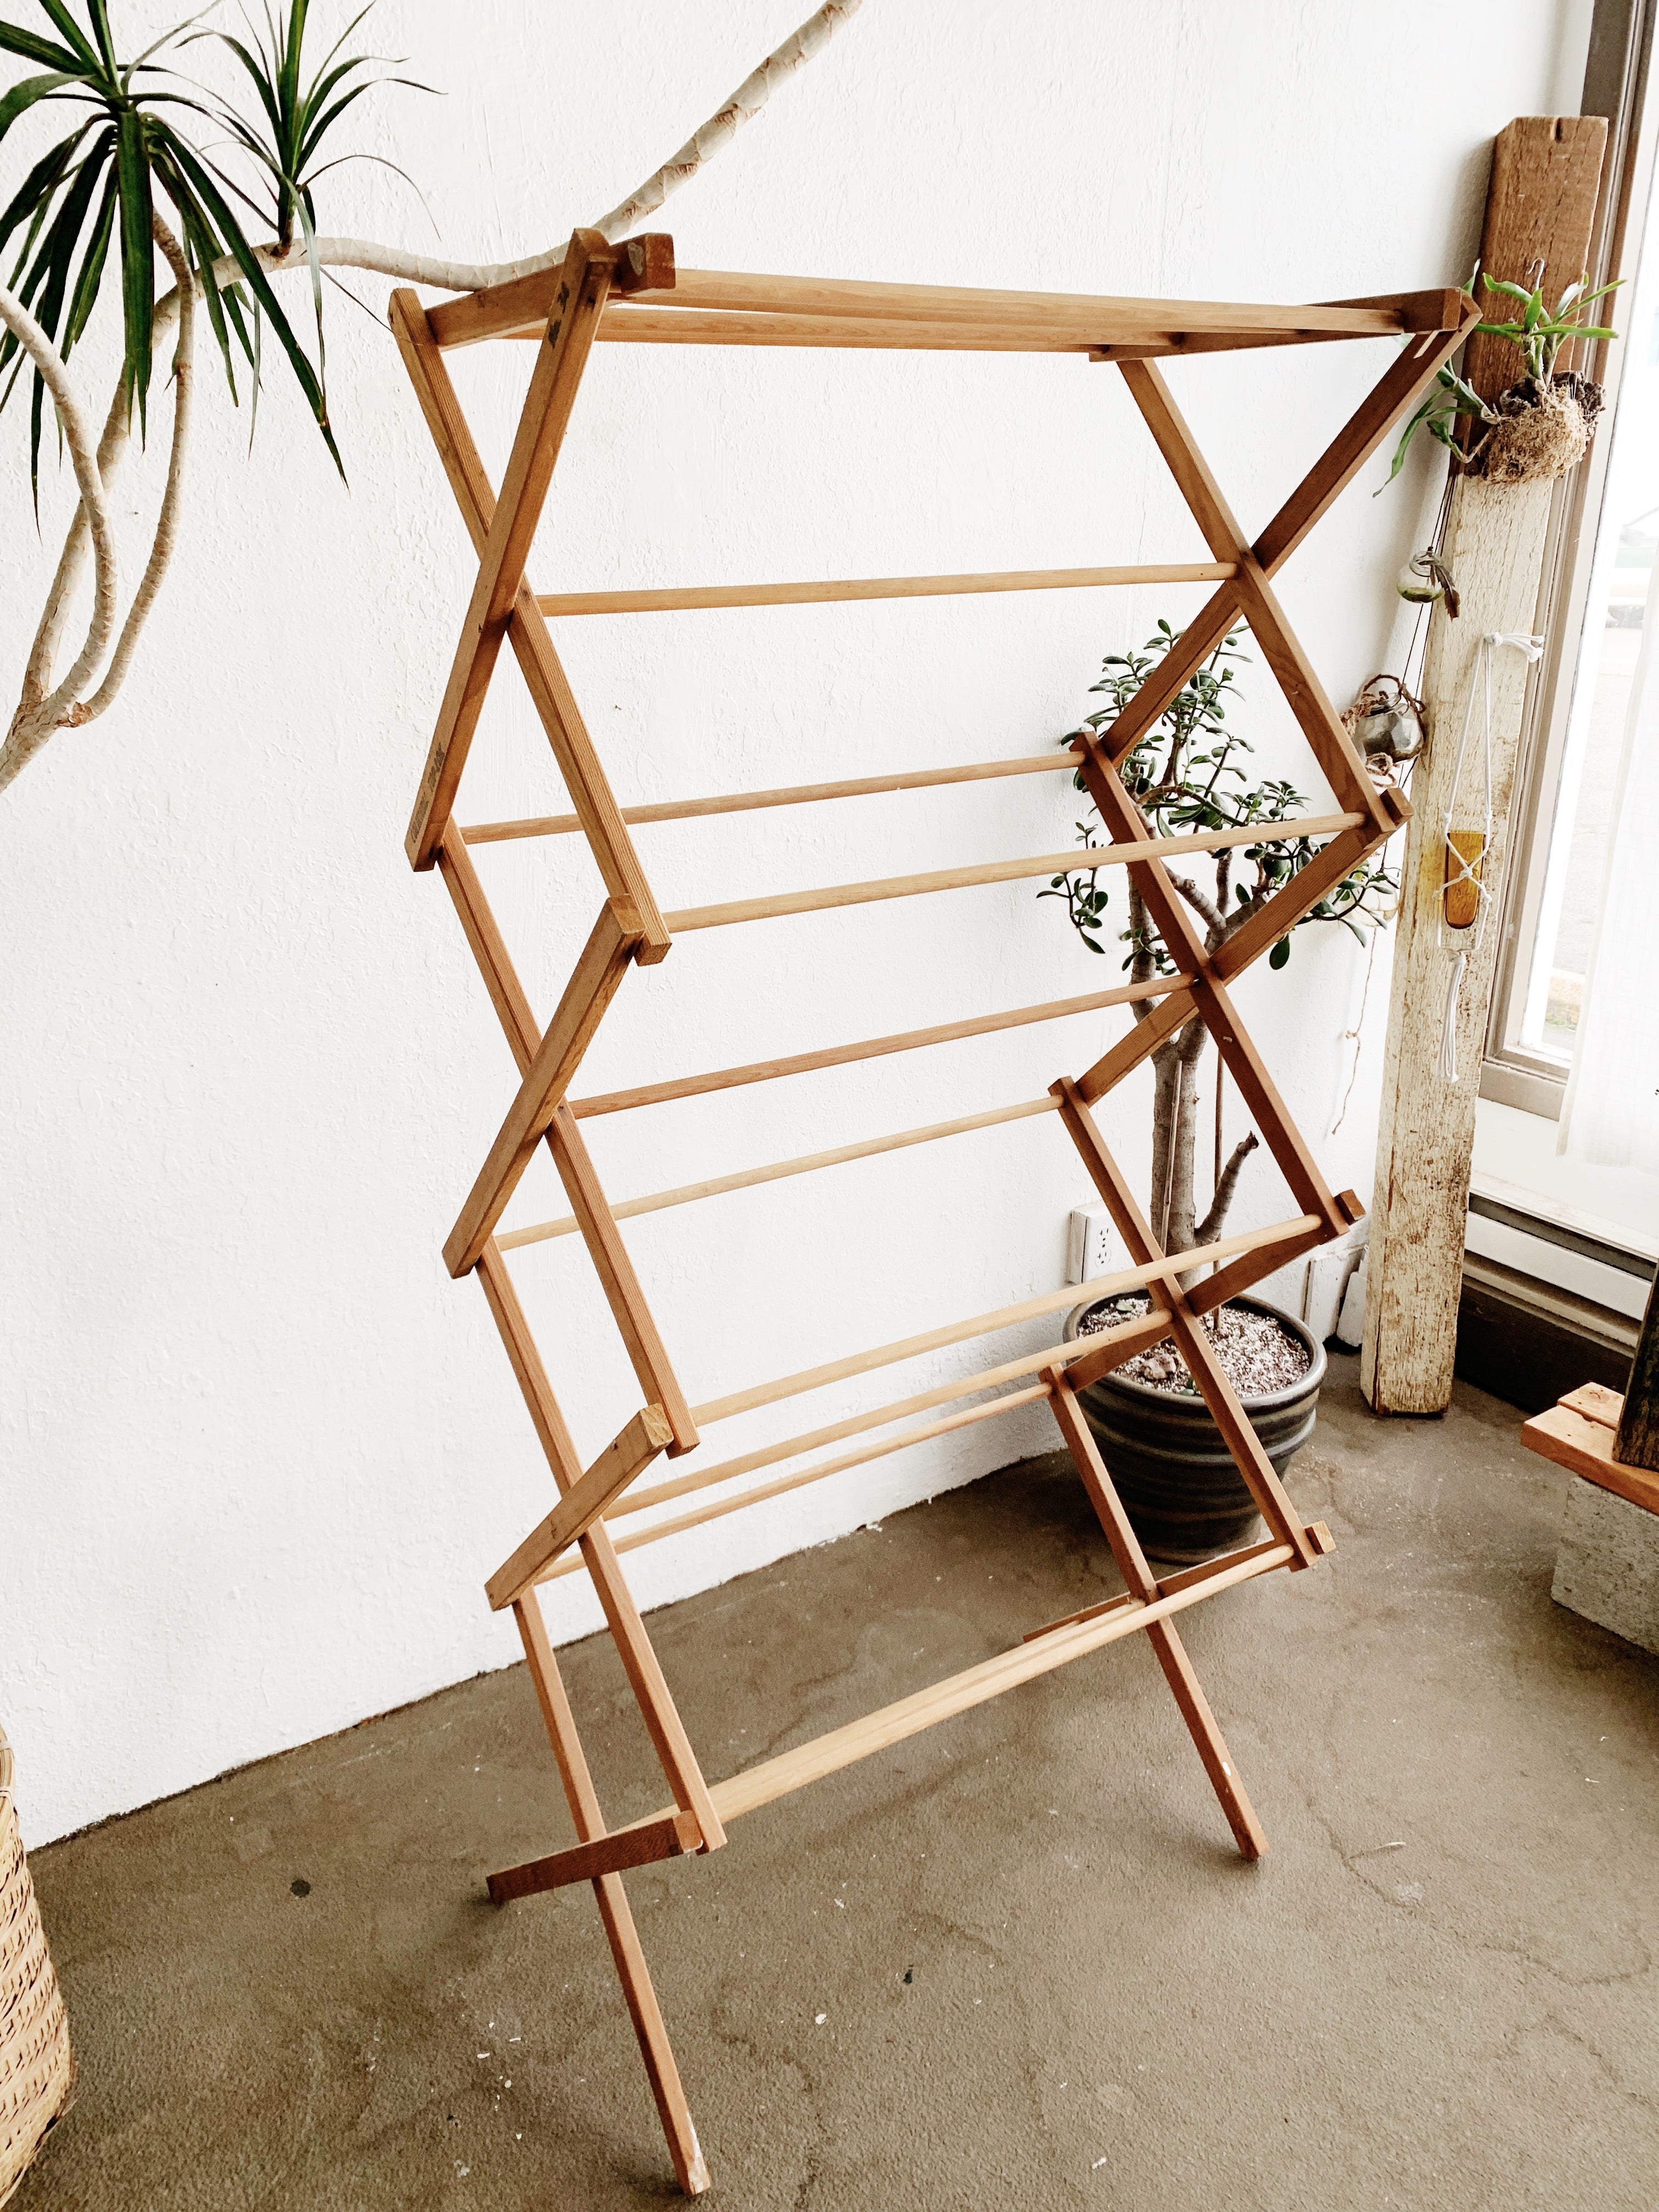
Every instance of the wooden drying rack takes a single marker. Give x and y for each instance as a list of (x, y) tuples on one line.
[(632, 294)]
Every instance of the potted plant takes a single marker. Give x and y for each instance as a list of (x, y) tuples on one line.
[(1177, 1480), (1540, 427)]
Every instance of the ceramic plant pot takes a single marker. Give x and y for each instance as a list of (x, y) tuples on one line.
[(1179, 1484)]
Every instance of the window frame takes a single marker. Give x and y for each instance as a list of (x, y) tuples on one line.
[(1618, 84)]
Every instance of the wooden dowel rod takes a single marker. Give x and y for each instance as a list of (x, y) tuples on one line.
[(805, 1164), (801, 794), (805, 1475), (988, 872), (934, 1339), (835, 590), (1096, 335), (841, 1055), (957, 1693), (658, 1493)]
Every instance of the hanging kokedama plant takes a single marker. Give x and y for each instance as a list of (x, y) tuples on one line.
[(1541, 427)]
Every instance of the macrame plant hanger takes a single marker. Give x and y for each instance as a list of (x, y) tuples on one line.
[(1462, 918), (632, 294)]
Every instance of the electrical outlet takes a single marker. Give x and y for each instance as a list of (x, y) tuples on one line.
[(1088, 1245)]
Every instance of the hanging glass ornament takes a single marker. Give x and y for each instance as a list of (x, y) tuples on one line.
[(1426, 578)]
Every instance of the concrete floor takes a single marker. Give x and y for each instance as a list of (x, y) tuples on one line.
[(1011, 1963)]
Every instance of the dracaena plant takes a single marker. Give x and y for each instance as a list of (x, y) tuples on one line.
[(1188, 774), (130, 152), (154, 164)]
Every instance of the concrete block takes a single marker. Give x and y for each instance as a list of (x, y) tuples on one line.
[(1607, 1567)]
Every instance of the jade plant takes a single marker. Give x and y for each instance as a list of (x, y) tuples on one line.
[(1188, 774)]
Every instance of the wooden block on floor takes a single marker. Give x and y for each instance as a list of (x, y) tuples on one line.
[(1607, 1567), (1584, 1448)]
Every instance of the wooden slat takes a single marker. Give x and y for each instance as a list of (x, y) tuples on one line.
[(1163, 685), (817, 1472), (1107, 1348), (838, 590), (505, 309), (524, 303), (810, 1762), (1170, 1652), (1304, 694), (985, 873), (598, 1229), (641, 1843), (627, 1455), (506, 992), (1585, 1448), (1239, 1274), (639, 1664), (842, 1056), (1405, 382), (800, 794), (1169, 916), (594, 984), (1276, 918), (579, 301), (778, 1171), (705, 1478), (532, 645), (621, 1284), (647, 325), (632, 1973), (1190, 1335), (934, 1339)]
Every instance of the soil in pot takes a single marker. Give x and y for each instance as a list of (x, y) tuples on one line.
[(1178, 1481)]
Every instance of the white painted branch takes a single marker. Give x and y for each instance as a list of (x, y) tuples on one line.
[(166, 523), (751, 96), (39, 712)]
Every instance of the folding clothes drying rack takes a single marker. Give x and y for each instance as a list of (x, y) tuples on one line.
[(632, 294)]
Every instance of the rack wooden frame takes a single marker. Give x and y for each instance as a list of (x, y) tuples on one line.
[(632, 294)]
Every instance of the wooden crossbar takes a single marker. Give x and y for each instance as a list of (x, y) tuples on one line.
[(800, 794), (843, 1055), (1154, 1269), (1121, 1342), (847, 313), (761, 1491), (958, 1693), (632, 294), (838, 590), (778, 1171), (1077, 859)]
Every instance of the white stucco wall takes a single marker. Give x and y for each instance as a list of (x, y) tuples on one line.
[(257, 1452)]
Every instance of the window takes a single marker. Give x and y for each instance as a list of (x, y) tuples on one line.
[(1585, 707)]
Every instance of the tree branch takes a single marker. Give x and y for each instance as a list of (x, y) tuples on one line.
[(1200, 903), (751, 96), (39, 713), (1210, 1228), (166, 522)]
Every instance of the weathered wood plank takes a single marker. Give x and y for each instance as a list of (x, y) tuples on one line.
[(1545, 174)]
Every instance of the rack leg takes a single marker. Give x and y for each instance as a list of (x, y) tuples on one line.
[(632, 1971), (1172, 1651)]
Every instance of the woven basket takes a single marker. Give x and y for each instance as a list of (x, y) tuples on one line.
[(36, 2070)]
